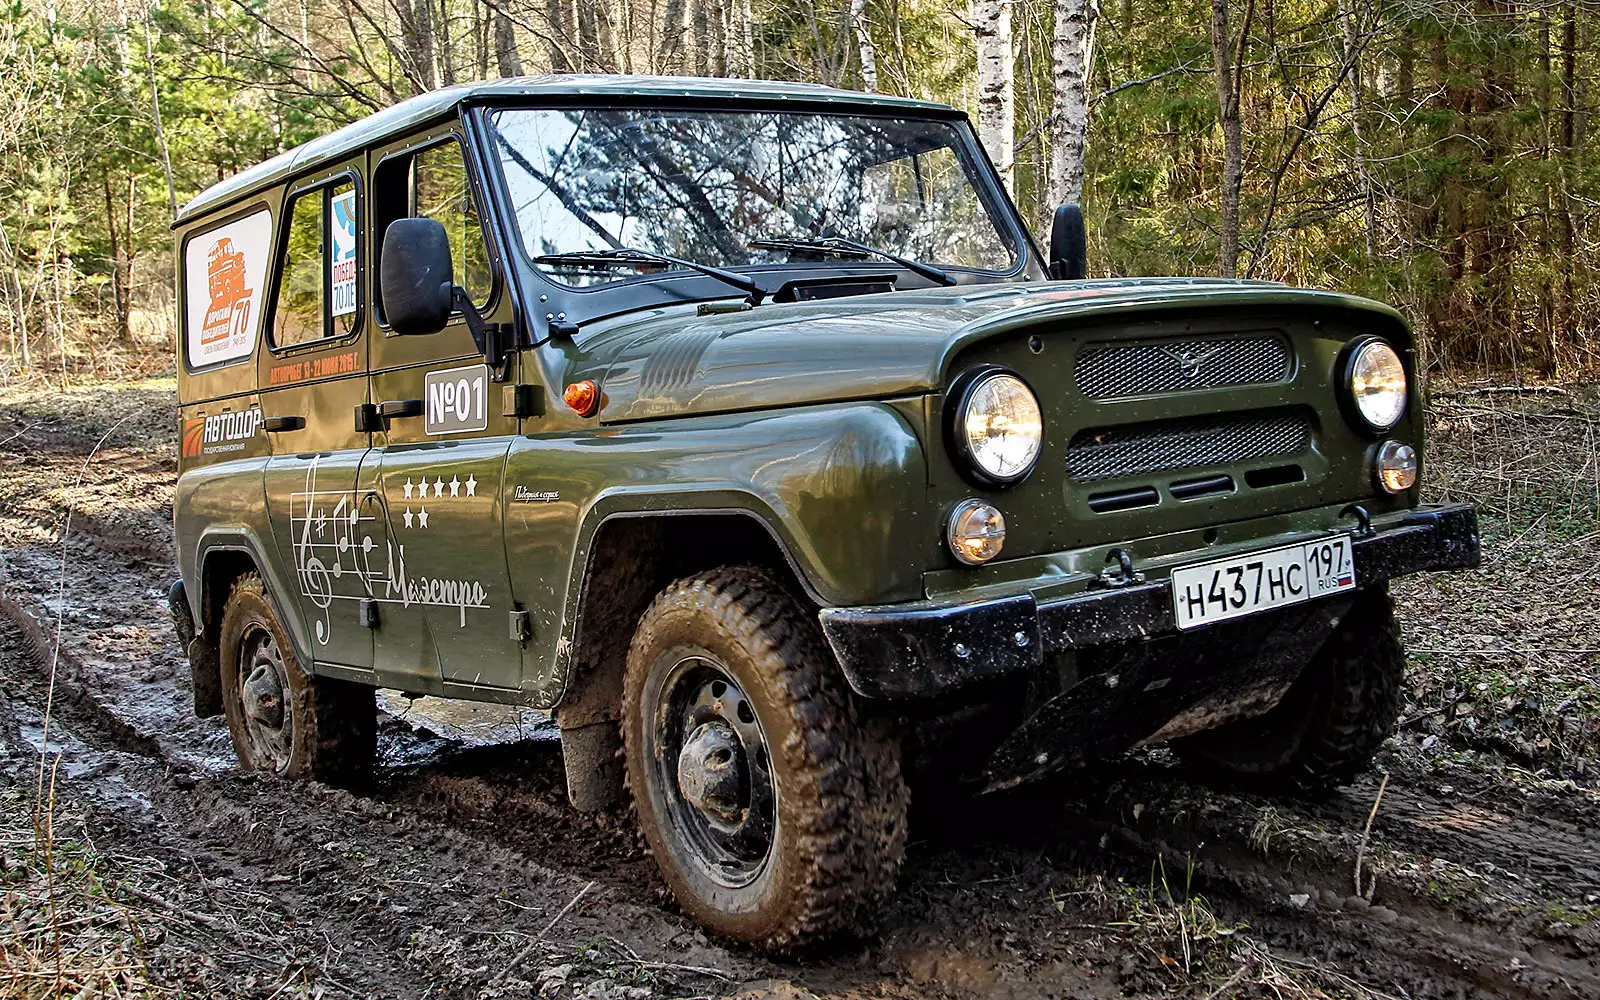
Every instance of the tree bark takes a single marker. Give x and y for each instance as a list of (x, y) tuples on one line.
[(1352, 58), (996, 74), (669, 46), (507, 60), (422, 47), (1232, 137), (119, 288), (1072, 55), (558, 15), (869, 52)]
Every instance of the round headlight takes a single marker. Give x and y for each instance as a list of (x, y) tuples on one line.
[(975, 532), (1378, 384), (998, 428)]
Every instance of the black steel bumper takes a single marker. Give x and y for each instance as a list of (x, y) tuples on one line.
[(898, 653)]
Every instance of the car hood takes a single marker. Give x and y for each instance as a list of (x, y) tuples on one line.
[(674, 362)]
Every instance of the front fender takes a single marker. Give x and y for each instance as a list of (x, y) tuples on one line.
[(842, 487)]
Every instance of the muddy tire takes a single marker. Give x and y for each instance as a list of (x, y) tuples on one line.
[(283, 720), (1326, 729), (730, 696)]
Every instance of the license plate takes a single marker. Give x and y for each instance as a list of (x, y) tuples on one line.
[(1243, 585)]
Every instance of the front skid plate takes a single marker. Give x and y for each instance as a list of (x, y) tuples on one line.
[(1242, 667)]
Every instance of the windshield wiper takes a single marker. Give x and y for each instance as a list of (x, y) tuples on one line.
[(623, 256), (839, 246)]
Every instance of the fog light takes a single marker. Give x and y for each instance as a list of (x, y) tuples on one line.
[(1397, 466), (976, 532)]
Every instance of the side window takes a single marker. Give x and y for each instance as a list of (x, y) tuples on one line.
[(317, 293), (440, 190)]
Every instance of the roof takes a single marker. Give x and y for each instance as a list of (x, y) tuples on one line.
[(436, 104)]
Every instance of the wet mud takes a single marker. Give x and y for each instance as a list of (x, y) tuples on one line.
[(464, 873)]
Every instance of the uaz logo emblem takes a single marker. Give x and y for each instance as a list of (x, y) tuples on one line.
[(1190, 359)]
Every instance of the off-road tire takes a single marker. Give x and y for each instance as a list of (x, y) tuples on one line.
[(841, 801), (334, 723), (1325, 730)]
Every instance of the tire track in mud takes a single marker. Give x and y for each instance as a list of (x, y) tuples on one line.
[(508, 803)]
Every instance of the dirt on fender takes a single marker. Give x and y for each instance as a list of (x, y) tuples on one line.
[(463, 873)]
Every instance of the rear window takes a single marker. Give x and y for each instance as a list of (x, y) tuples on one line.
[(224, 269)]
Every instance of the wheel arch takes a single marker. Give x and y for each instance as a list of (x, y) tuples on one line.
[(221, 558), (632, 555)]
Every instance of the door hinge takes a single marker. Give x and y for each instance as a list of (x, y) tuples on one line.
[(369, 613), (522, 400), (521, 626), (367, 419)]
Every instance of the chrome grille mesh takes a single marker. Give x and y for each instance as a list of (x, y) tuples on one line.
[(1174, 445), (1115, 370)]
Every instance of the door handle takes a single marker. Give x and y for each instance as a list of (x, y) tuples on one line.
[(391, 408), (283, 423)]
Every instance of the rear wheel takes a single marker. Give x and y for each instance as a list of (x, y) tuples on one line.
[(1327, 727), (282, 719), (775, 812)]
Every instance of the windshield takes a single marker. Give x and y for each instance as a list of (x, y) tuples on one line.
[(703, 185)]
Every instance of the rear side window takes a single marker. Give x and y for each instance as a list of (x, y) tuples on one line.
[(318, 291)]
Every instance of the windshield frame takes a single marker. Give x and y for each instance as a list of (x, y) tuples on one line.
[(561, 302)]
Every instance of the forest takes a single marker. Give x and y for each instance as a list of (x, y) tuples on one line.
[(1435, 154)]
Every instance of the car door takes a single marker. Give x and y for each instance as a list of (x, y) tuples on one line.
[(441, 441), (313, 378)]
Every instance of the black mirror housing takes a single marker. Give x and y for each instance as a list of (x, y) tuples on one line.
[(1069, 244), (416, 276)]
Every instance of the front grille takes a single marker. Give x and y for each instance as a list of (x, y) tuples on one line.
[(1172, 445), (1117, 370)]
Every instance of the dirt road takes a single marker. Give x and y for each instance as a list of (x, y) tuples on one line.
[(464, 874)]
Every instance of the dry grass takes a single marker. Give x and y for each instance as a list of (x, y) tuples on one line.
[(64, 929), (1504, 659)]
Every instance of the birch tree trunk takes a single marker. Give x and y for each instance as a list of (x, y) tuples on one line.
[(1073, 52), (1232, 140), (996, 71), (869, 52)]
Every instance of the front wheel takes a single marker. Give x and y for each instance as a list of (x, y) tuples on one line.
[(1327, 727), (776, 813), (282, 719)]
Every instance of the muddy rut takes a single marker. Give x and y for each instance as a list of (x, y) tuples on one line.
[(463, 873)]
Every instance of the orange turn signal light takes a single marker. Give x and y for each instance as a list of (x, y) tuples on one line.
[(583, 397)]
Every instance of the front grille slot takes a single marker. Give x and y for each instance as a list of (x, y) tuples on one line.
[(1180, 445), (1114, 371)]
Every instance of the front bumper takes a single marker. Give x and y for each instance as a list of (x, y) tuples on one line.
[(894, 652)]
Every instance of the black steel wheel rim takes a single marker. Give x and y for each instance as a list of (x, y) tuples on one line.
[(264, 699), (713, 771)]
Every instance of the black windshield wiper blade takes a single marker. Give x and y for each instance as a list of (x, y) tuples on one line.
[(622, 256), (843, 247)]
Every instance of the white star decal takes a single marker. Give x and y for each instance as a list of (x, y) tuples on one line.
[(408, 517), (455, 486), (472, 487), (438, 486), (422, 517), (407, 488)]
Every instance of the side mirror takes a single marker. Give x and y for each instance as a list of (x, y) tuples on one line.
[(416, 277), (1069, 242)]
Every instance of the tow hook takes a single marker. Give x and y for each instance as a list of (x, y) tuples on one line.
[(1122, 574), (1363, 520)]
